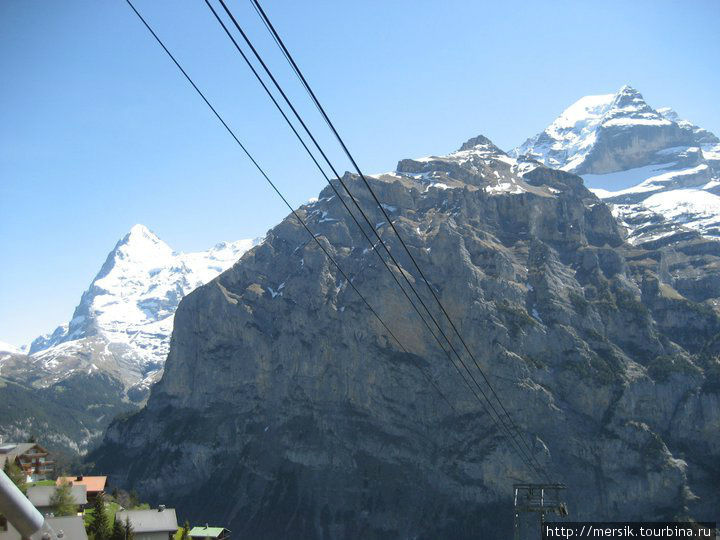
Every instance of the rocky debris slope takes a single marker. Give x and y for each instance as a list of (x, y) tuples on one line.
[(285, 409), (115, 346), (660, 173)]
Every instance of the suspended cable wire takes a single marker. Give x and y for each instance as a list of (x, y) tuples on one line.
[(340, 198), (278, 40), (288, 205), (523, 453), (284, 199)]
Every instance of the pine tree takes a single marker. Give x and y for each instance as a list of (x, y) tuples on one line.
[(185, 531), (16, 474), (62, 501), (118, 532), (129, 533), (99, 527)]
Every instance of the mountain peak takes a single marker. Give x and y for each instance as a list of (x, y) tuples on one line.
[(140, 232), (139, 228), (580, 138), (480, 140), (645, 161), (626, 89), (133, 297), (142, 244), (627, 96)]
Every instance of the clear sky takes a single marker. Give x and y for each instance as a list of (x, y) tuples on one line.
[(98, 131)]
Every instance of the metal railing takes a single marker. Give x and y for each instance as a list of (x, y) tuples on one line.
[(20, 512)]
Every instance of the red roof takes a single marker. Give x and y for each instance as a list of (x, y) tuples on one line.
[(94, 484)]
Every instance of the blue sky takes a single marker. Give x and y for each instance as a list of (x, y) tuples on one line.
[(98, 131)]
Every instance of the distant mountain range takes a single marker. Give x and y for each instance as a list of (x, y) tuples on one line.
[(117, 339), (661, 174)]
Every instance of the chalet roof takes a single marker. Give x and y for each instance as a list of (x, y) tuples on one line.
[(156, 520), (40, 495), (13, 450), (94, 484), (207, 532), (16, 449), (72, 528)]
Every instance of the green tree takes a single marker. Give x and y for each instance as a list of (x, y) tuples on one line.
[(185, 535), (122, 531), (16, 474), (129, 533), (62, 501), (118, 532), (99, 527)]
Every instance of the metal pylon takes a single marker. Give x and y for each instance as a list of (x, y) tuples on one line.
[(537, 498)]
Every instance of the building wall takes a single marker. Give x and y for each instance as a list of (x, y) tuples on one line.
[(37, 464)]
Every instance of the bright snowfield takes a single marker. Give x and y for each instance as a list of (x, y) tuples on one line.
[(7, 351), (650, 164), (7, 348), (128, 309)]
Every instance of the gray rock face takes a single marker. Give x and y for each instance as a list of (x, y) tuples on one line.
[(285, 409)]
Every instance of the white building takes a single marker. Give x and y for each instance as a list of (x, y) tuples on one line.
[(65, 528), (158, 524), (41, 497)]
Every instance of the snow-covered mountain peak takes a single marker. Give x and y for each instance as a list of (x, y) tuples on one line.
[(141, 245), (481, 142), (131, 301), (477, 165), (629, 108), (141, 231), (629, 98), (630, 154), (571, 141)]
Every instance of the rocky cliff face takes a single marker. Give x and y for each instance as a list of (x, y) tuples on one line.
[(286, 410)]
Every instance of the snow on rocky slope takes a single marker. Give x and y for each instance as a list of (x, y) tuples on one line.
[(7, 348), (660, 173), (478, 156), (123, 322)]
